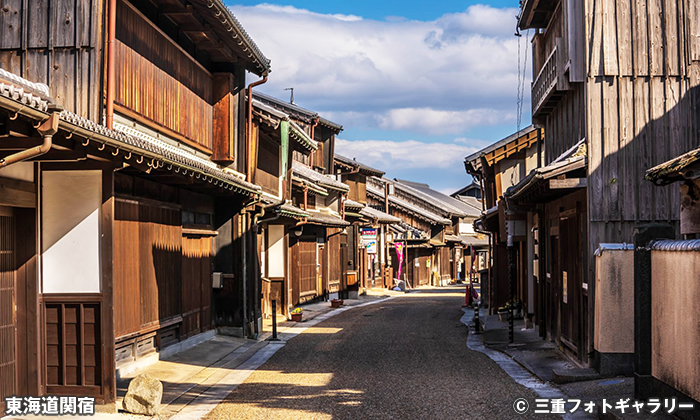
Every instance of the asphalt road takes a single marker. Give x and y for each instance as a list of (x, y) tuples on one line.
[(405, 358)]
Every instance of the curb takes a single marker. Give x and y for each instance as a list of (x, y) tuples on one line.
[(519, 373)]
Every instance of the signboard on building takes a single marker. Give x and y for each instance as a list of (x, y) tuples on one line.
[(368, 234), (371, 247)]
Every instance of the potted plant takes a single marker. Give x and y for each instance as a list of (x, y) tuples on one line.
[(336, 303), (296, 314)]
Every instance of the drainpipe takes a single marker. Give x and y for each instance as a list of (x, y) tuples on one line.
[(313, 132), (249, 124), (111, 65), (306, 197), (47, 129)]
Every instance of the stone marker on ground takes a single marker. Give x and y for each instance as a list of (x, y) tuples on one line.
[(143, 396)]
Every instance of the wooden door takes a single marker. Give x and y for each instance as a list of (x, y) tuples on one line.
[(8, 307), (553, 283), (196, 285), (570, 280), (306, 268)]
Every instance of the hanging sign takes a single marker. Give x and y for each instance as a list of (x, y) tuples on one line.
[(399, 255), (368, 234)]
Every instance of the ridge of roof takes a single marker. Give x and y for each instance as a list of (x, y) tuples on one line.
[(490, 148), (240, 36), (431, 197), (308, 115), (412, 208), (352, 162)]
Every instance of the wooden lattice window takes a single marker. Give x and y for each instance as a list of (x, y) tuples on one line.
[(73, 350)]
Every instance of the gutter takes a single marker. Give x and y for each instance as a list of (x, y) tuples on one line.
[(47, 129)]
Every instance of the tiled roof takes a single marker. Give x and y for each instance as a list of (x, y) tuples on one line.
[(238, 34), (295, 110), (361, 166), (407, 231), (325, 181), (443, 201), (379, 215), (409, 207), (160, 154), (670, 171), (300, 136), (571, 160), (326, 219), (350, 204), (294, 212)]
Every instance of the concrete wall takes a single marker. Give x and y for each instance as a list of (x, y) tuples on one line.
[(675, 335), (614, 302), (70, 220)]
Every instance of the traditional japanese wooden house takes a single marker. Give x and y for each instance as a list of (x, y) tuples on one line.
[(304, 254), (498, 167), (427, 250), (616, 76), (365, 218), (130, 218)]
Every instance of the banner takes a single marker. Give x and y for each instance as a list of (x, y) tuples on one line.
[(399, 254)]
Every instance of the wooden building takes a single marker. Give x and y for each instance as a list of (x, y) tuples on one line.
[(499, 167), (363, 252), (303, 251), (130, 218), (615, 77), (427, 230)]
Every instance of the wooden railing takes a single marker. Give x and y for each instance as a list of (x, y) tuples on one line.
[(546, 82)]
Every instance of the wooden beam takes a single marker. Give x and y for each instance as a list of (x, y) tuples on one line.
[(569, 183)]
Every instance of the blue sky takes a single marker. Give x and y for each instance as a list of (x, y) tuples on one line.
[(417, 85), (381, 9)]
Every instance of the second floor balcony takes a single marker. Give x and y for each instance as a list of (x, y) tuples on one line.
[(550, 84)]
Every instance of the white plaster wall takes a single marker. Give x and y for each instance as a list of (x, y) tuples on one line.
[(275, 251), (466, 226), (70, 220), (22, 171)]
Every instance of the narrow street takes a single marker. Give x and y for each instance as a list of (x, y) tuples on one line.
[(403, 358)]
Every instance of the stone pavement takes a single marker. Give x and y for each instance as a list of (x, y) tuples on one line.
[(196, 379), (557, 374), (403, 358)]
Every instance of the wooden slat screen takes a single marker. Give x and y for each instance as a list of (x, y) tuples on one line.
[(147, 265), (160, 82), (8, 355), (444, 261), (268, 173), (73, 349), (307, 267), (334, 261), (196, 285), (150, 92)]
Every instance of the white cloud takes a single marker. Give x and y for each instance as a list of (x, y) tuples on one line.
[(444, 76), (408, 154)]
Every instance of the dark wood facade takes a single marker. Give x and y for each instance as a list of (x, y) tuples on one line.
[(156, 238)]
